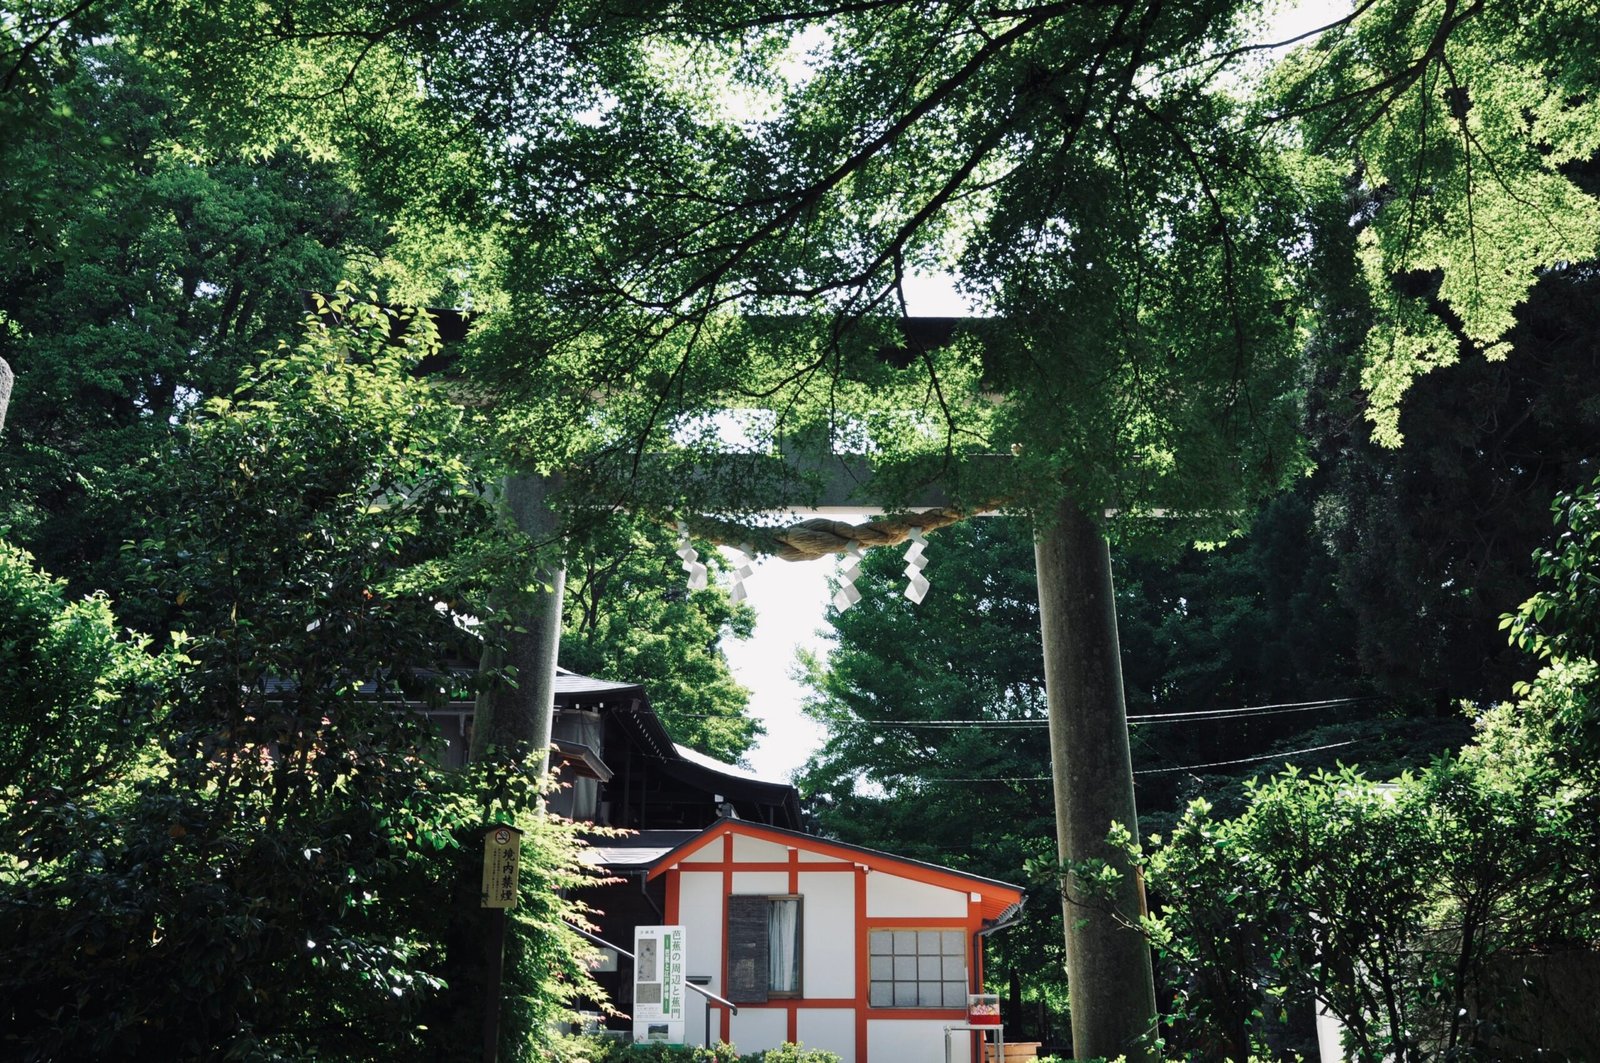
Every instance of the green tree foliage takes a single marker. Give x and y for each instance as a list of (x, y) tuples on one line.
[(154, 252), (588, 1050), (1107, 179), (1465, 122), (1091, 173), (1563, 621), (284, 876), (1007, 136), (1432, 539), (141, 269), (80, 702), (630, 618), (1388, 904), (1415, 911)]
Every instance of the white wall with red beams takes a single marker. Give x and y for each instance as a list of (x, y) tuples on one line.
[(847, 894)]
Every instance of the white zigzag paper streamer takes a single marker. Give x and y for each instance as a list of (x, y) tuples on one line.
[(691, 559), (847, 594), (916, 585), (742, 572)]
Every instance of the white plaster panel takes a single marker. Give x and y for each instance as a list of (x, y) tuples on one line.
[(830, 1029), (709, 853), (753, 850), (769, 882), (810, 856), (759, 1029), (889, 896), (905, 1040), (700, 912), (829, 928)]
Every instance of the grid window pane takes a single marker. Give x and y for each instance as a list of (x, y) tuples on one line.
[(918, 969)]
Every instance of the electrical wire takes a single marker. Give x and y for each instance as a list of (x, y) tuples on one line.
[(1159, 771), (1198, 716)]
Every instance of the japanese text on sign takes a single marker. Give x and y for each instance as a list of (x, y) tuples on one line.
[(502, 846), (658, 983)]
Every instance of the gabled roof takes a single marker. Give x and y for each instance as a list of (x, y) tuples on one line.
[(1000, 899)]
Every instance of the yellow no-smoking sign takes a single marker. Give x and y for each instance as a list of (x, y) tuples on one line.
[(502, 848)]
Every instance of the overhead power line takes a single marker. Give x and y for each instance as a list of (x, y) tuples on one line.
[(1159, 771), (1198, 716), (1250, 760)]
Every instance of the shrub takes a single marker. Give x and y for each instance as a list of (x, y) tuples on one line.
[(603, 1050)]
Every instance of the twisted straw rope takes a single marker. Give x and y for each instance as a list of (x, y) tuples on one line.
[(819, 536)]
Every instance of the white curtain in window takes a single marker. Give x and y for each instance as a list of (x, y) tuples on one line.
[(783, 946)]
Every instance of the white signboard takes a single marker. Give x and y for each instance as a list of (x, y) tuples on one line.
[(658, 984)]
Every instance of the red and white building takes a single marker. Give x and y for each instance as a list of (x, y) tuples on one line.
[(860, 952), (839, 947)]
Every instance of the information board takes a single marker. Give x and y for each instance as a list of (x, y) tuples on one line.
[(658, 988)]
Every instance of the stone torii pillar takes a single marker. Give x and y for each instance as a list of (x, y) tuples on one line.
[(518, 711), (1110, 984)]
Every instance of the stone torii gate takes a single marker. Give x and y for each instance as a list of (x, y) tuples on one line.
[(1108, 961), (1110, 982)]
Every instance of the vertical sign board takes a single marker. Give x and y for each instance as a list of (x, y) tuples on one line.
[(501, 848), (658, 984)]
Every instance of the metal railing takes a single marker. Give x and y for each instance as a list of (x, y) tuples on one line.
[(603, 943)]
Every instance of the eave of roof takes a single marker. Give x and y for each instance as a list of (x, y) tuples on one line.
[(634, 851), (571, 685), (584, 760), (734, 779)]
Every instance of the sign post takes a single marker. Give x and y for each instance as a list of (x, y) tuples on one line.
[(502, 850), (658, 957)]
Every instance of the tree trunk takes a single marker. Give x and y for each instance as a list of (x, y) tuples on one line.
[(520, 716), (1109, 982)]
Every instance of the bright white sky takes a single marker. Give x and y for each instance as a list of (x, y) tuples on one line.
[(789, 597)]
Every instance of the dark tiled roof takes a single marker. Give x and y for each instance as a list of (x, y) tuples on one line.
[(640, 849)]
